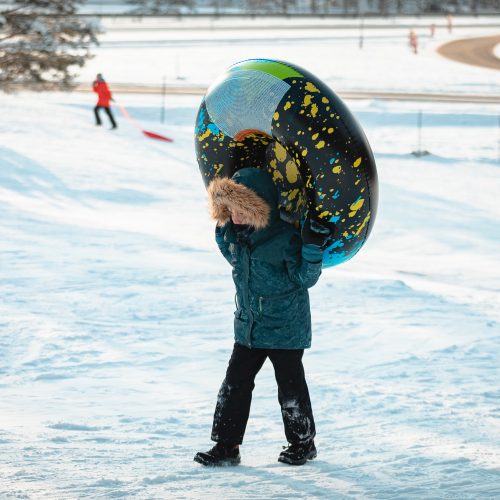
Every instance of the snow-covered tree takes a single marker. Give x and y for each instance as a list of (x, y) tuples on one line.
[(41, 42)]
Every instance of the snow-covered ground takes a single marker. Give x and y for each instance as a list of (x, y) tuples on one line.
[(116, 308), (193, 51)]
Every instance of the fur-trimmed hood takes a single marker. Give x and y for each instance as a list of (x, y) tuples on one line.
[(250, 190)]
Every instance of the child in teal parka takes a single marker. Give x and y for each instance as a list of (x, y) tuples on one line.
[(273, 265)]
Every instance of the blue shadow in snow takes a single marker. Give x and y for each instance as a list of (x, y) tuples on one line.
[(21, 174), (391, 118)]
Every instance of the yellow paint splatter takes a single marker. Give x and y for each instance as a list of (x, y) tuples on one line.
[(315, 136), (367, 218), (205, 134), (287, 105), (330, 130), (324, 214), (292, 194), (310, 87), (292, 173), (314, 110), (356, 206), (320, 145), (277, 175), (304, 152), (276, 116), (273, 163), (280, 152), (307, 100), (337, 169), (357, 163)]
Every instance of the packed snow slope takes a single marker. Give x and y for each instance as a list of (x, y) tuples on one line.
[(116, 317), (116, 314)]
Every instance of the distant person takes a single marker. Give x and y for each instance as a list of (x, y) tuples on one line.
[(413, 40), (101, 88)]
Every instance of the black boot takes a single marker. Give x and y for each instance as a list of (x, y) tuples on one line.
[(298, 453), (219, 455)]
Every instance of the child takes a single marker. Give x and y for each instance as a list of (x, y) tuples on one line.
[(273, 266)]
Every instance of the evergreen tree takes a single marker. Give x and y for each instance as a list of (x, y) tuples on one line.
[(41, 41)]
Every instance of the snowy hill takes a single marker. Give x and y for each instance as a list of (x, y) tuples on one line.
[(116, 315)]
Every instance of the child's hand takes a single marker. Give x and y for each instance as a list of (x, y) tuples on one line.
[(315, 233)]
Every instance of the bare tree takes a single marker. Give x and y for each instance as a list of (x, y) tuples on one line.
[(286, 4), (41, 41), (383, 7), (264, 6), (156, 7)]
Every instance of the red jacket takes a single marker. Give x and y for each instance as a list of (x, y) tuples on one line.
[(102, 90)]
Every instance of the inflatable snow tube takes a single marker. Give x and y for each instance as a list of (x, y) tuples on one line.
[(278, 117)]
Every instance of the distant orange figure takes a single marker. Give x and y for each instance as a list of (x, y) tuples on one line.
[(100, 87), (433, 30), (413, 40), (449, 20)]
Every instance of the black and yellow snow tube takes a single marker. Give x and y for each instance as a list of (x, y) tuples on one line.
[(278, 117)]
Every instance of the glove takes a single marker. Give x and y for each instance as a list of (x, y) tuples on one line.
[(315, 233)]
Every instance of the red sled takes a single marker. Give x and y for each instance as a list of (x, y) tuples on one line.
[(153, 135)]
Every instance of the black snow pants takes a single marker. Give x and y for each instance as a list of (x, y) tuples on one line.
[(108, 112), (235, 395)]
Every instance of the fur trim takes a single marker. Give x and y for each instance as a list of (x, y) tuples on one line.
[(224, 193)]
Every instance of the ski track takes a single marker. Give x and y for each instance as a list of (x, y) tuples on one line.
[(116, 317)]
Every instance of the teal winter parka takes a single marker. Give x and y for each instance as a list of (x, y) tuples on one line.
[(272, 269)]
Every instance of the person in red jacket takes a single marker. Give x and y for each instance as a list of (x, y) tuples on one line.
[(101, 88)]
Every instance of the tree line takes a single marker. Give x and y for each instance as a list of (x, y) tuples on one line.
[(314, 7)]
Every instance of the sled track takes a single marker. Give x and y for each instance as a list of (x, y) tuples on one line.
[(474, 51)]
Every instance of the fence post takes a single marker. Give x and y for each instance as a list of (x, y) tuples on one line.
[(163, 92), (419, 152)]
